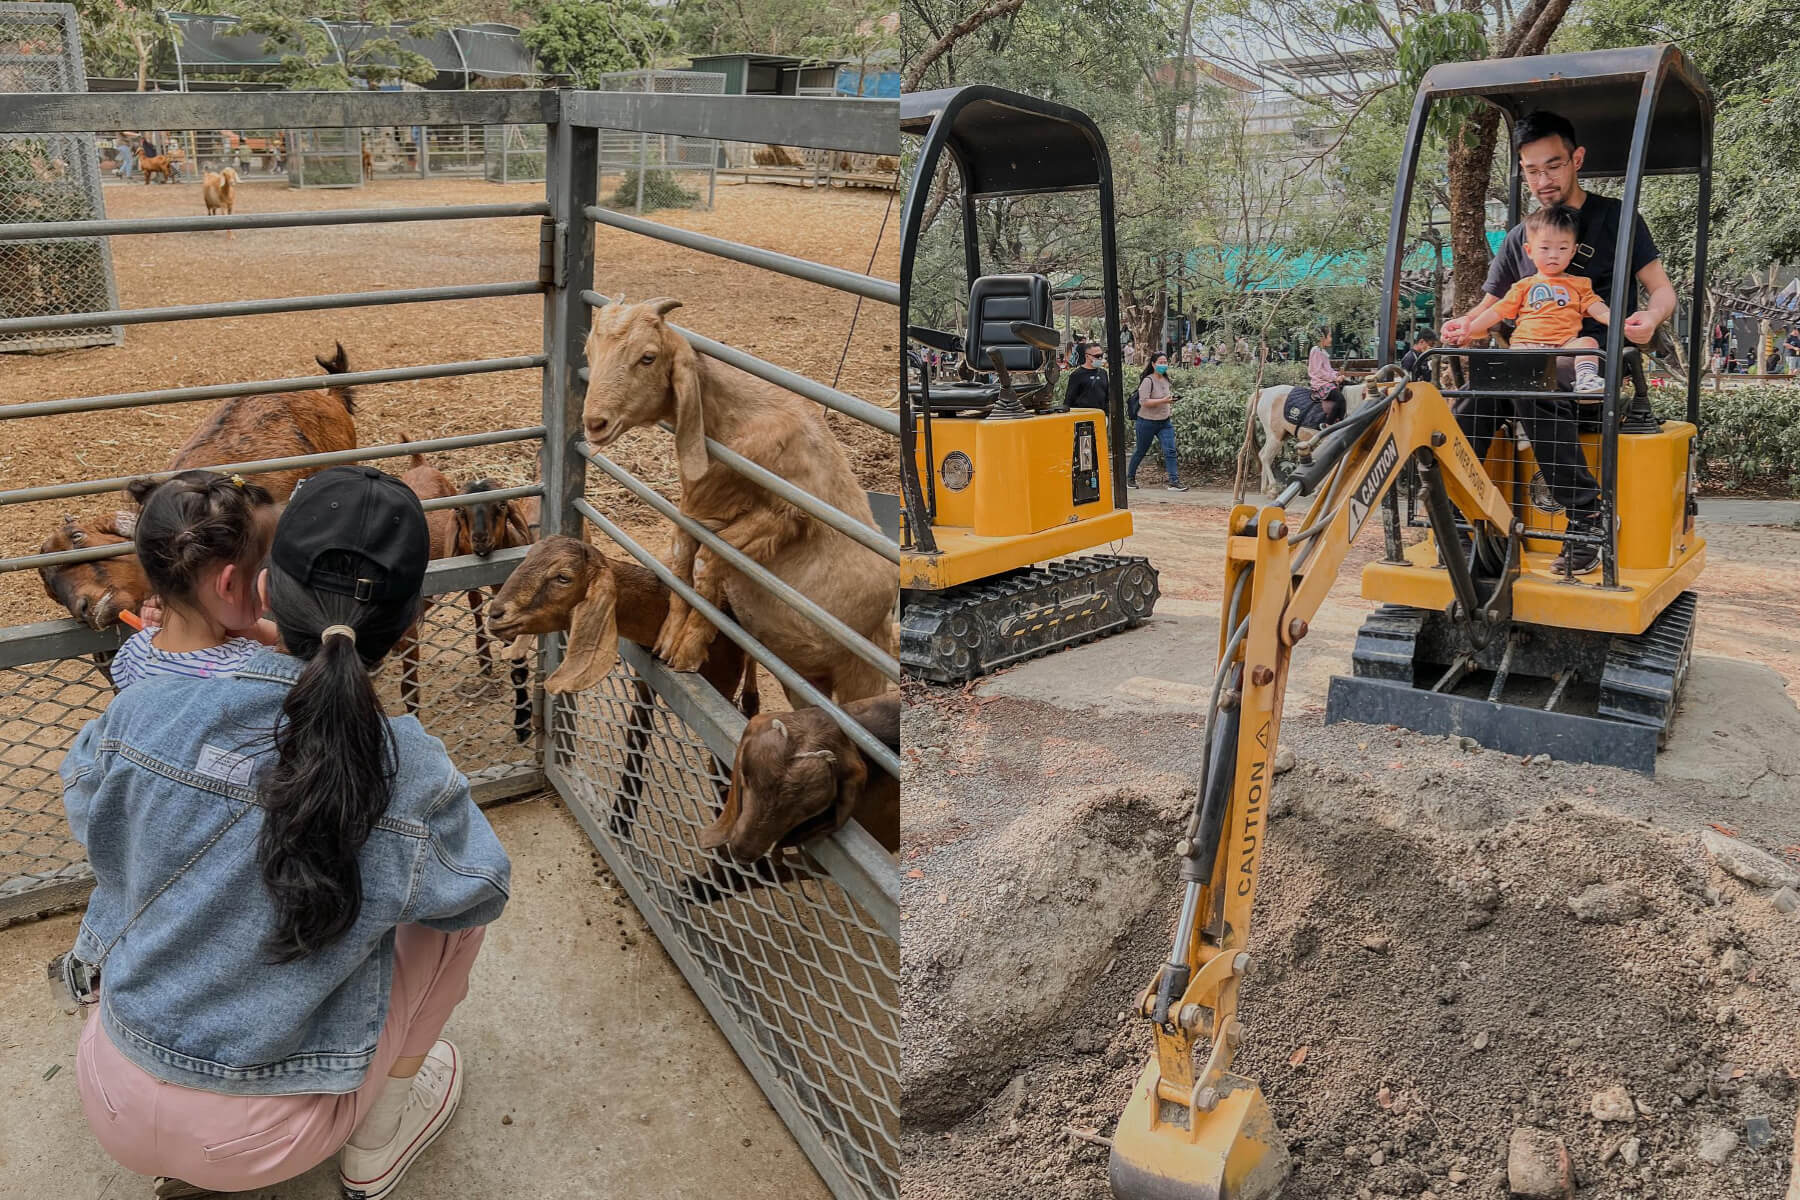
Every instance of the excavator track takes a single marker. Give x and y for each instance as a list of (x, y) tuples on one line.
[(1401, 653), (964, 632)]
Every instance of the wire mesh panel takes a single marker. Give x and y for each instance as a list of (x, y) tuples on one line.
[(515, 154), (802, 980), (455, 150), (50, 177), (324, 158), (478, 704), (645, 170)]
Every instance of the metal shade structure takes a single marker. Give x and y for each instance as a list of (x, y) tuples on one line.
[(1002, 143), (461, 55), (1643, 110)]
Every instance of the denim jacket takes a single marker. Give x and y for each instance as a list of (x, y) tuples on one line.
[(188, 992)]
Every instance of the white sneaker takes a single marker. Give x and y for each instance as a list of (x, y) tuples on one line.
[(1588, 384), (436, 1089)]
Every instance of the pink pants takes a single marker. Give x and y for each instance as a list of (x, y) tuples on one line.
[(240, 1143)]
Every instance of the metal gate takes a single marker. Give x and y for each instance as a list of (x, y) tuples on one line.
[(801, 976)]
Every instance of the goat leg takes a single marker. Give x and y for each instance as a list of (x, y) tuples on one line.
[(482, 654), (682, 549), (521, 679), (689, 648), (631, 790)]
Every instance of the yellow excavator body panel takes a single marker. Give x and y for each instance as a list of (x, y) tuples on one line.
[(1660, 551), (1011, 493)]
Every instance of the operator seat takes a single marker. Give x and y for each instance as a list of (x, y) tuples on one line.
[(995, 302)]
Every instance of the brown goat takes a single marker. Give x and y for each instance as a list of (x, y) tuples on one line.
[(642, 372), (429, 483), (219, 189), (798, 777), (242, 429), (95, 593), (565, 584), (495, 524)]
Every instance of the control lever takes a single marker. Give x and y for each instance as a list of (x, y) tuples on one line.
[(1007, 407), (1046, 339)]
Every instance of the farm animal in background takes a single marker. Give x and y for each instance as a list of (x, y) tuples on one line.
[(640, 372), (429, 483), (162, 164), (497, 524), (798, 777), (220, 190), (242, 429), (368, 162), (1270, 405)]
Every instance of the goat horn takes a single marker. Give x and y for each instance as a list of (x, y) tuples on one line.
[(779, 728), (663, 305)]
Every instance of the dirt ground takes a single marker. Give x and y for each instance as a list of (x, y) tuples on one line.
[(1424, 986), (797, 325)]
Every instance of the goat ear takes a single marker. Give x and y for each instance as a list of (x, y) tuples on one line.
[(465, 538), (852, 777), (719, 832), (515, 521), (690, 425), (593, 638)]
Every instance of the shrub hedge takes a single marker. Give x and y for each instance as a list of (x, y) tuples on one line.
[(1750, 435)]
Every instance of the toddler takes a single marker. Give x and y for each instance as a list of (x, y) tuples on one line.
[(1549, 305), (201, 537)]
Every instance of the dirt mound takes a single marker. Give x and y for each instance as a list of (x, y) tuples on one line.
[(1461, 944)]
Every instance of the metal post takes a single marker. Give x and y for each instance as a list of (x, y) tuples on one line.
[(643, 166), (571, 165)]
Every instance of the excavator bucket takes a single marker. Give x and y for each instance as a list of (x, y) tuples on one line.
[(1166, 1150)]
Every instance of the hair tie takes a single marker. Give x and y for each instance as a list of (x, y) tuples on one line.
[(332, 631), (237, 481)]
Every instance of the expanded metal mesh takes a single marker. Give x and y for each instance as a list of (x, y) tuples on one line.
[(639, 170), (465, 697), (515, 153), (801, 979), (50, 177)]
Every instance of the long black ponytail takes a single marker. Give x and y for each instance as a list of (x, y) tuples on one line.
[(335, 760)]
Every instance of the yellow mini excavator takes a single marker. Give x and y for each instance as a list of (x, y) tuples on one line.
[(997, 474), (1476, 599)]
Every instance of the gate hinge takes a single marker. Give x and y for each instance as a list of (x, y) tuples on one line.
[(553, 244)]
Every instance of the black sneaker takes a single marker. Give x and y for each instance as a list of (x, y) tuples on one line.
[(1178, 487), (1131, 483), (1581, 558)]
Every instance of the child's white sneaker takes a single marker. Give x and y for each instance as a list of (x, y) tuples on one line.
[(1589, 382), (370, 1174)]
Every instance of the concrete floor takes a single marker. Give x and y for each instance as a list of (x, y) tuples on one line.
[(616, 1081)]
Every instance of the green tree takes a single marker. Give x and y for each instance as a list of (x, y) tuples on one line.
[(585, 39), (121, 37)]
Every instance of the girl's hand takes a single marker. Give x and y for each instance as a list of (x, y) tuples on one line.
[(263, 631), (150, 612)]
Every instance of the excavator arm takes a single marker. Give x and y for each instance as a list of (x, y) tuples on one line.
[(1198, 1131)]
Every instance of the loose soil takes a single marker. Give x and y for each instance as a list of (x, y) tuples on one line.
[(1039, 890), (797, 325)]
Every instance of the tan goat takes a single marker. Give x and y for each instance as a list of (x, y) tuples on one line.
[(219, 188), (640, 372), (242, 429)]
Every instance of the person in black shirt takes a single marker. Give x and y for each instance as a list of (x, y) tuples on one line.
[(1414, 362), (1550, 158), (1088, 384)]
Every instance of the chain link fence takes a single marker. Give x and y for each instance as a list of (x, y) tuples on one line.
[(515, 154), (50, 177)]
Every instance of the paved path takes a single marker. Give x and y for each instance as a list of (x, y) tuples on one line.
[(1724, 510)]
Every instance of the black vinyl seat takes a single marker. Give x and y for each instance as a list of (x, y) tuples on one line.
[(995, 302)]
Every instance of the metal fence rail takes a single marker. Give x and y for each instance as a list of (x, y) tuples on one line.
[(796, 956)]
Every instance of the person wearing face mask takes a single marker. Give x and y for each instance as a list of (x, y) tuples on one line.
[(1088, 384), (1154, 400)]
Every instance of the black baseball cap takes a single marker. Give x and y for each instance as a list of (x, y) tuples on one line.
[(358, 512)]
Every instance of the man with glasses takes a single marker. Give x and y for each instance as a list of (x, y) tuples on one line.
[(1550, 158), (1088, 383)]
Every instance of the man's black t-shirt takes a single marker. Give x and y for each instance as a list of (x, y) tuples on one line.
[(1416, 366), (1596, 241), (1087, 388)]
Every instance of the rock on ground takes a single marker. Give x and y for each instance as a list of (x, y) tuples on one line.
[(1716, 1147), (1756, 867), (1607, 903), (1538, 1166), (1614, 1104)]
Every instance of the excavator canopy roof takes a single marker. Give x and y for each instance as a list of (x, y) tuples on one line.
[(1598, 91), (1008, 144)]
